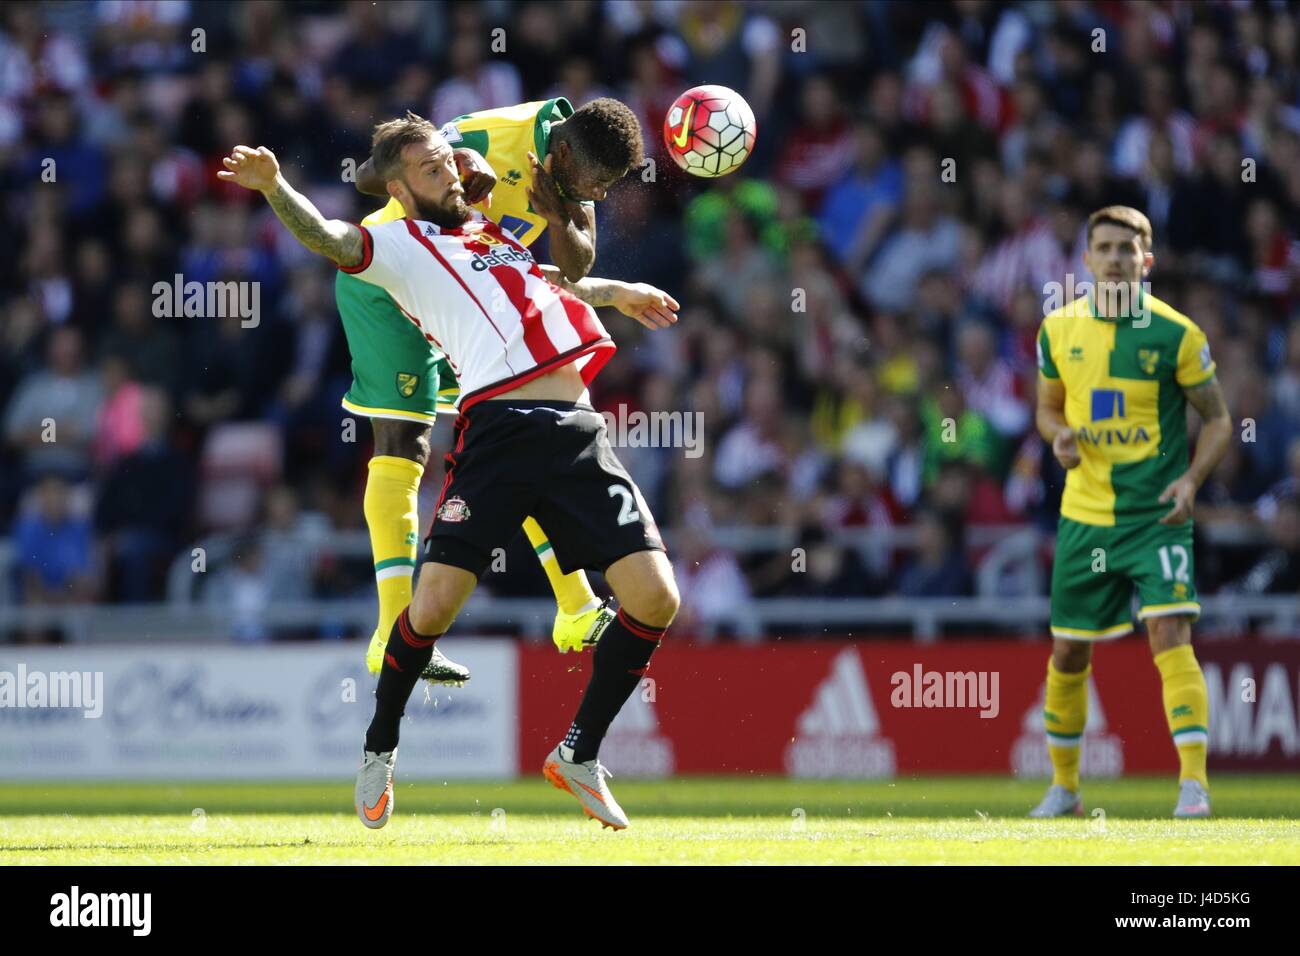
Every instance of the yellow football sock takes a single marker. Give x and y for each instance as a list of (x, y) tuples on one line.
[(573, 593), (1187, 708), (392, 508), (1065, 712)]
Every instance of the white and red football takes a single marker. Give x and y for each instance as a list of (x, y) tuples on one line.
[(710, 131)]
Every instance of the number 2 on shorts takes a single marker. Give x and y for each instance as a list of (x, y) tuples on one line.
[(627, 513)]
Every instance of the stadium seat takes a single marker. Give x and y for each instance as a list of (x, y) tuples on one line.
[(240, 460)]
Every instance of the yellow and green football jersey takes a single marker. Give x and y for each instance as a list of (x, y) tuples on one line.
[(1123, 397), (503, 137)]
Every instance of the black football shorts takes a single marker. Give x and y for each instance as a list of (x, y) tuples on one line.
[(549, 460)]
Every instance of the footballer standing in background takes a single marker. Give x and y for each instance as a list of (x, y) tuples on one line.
[(554, 163), (1116, 373)]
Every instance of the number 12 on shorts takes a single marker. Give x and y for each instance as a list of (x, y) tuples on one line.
[(1166, 566)]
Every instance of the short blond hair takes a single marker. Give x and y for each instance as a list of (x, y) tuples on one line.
[(1125, 216)]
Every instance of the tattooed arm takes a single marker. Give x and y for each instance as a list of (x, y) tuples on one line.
[(591, 290), (653, 308), (258, 170), (1216, 431), (1216, 428)]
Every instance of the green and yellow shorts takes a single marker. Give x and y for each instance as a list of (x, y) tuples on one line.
[(1097, 568), (396, 373)]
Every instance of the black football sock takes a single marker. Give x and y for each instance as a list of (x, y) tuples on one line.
[(405, 657), (618, 664)]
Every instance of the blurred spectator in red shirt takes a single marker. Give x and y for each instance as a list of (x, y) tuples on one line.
[(819, 151)]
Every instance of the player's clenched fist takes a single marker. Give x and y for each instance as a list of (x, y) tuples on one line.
[(476, 175), (1066, 448), (250, 168)]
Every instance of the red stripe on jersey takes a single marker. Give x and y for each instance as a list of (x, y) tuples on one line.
[(415, 231), (580, 316), (512, 283), (601, 351)]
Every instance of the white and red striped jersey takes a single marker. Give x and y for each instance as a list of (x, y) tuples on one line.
[(478, 296)]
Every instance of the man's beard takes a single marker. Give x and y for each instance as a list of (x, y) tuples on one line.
[(451, 215)]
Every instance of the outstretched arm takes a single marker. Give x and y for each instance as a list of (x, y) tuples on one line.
[(258, 169), (653, 308)]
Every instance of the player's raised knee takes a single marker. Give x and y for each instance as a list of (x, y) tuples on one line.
[(658, 603), (643, 584), (667, 602)]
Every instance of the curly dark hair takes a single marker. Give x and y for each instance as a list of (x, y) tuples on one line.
[(604, 134)]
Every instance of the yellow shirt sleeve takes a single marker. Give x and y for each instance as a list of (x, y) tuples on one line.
[(390, 213), (1195, 366)]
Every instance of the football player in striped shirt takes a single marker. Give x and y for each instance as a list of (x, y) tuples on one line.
[(527, 441), (1116, 374), (554, 162)]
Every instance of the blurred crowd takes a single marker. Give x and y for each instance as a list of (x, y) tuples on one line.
[(922, 175)]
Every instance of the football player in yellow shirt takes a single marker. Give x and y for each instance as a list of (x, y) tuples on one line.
[(532, 168), (1116, 374)]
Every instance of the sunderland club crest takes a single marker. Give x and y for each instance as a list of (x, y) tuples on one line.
[(454, 509)]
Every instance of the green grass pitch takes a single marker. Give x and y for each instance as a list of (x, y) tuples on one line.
[(951, 820)]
